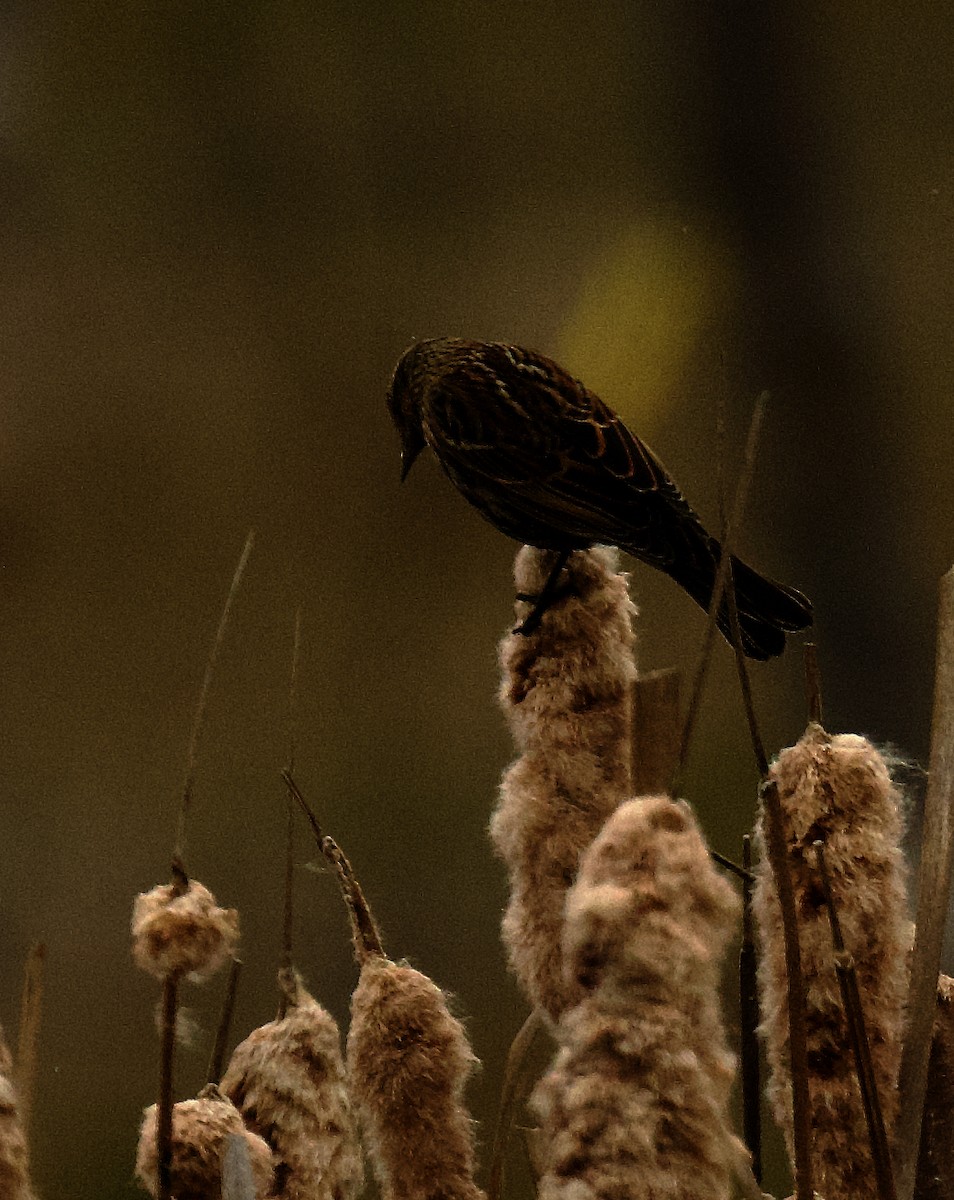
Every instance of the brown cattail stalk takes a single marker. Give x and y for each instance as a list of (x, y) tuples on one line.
[(408, 1062), (14, 1154), (28, 1040), (566, 691), (365, 933), (749, 1021), (288, 1080), (934, 890), (635, 1105), (935, 1174), (200, 1129), (198, 719), (839, 790), (177, 931)]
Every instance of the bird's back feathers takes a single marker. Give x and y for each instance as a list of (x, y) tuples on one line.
[(549, 464)]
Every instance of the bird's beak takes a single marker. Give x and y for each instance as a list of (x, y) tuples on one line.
[(409, 452)]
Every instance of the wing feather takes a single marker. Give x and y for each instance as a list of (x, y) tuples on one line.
[(537, 451)]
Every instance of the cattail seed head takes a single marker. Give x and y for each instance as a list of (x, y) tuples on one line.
[(200, 1128), (287, 1078), (837, 789), (635, 1104), (182, 933), (408, 1061), (14, 1154), (566, 692)]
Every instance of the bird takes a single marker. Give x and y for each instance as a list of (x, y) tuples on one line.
[(548, 463)]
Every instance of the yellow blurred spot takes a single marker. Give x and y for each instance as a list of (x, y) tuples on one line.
[(644, 308)]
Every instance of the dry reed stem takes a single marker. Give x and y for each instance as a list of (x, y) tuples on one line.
[(238, 1181), (779, 867), (750, 1067), (217, 1057), (514, 1090), (182, 933), (198, 719), (858, 1038), (28, 1035), (200, 1130), (365, 935), (288, 1080), (14, 1151), (635, 1106), (655, 731), (935, 1174), (837, 789), (934, 889), (566, 692), (408, 1061), (288, 908), (729, 532)]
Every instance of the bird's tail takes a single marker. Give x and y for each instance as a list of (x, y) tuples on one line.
[(767, 610)]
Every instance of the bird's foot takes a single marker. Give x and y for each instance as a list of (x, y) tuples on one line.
[(551, 591)]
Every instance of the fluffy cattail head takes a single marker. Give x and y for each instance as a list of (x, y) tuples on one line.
[(14, 1154), (837, 789), (408, 1062), (648, 908), (288, 1080), (200, 1129), (635, 1104), (182, 933), (566, 692)]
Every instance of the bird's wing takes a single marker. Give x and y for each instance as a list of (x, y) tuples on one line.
[(515, 431)]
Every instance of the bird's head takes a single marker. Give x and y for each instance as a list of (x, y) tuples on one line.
[(404, 405), (417, 370)]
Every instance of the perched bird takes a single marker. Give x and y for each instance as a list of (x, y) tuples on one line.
[(548, 463)]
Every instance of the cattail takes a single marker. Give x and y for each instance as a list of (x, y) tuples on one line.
[(408, 1062), (838, 790), (566, 691), (200, 1129), (182, 932), (288, 1080), (634, 1107), (14, 1153)]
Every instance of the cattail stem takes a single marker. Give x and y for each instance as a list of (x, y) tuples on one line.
[(718, 590), (745, 683), (655, 730), (813, 685), (217, 1058), (28, 1035), (167, 1043), (934, 884), (515, 1087), (749, 1022), (729, 865), (797, 1035), (367, 937), (288, 912), (860, 1047), (238, 1182), (185, 803)]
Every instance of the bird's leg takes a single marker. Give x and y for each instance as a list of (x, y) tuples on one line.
[(543, 600)]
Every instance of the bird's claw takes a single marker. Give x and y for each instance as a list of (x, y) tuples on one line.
[(551, 592), (530, 625)]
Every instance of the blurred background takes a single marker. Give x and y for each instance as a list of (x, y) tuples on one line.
[(220, 226)]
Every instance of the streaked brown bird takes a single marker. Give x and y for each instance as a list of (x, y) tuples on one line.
[(548, 463)]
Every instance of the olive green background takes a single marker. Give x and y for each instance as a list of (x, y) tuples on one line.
[(221, 225)]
